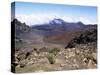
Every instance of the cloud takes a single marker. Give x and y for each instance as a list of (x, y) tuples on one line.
[(33, 19), (86, 20)]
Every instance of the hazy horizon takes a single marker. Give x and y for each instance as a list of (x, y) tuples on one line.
[(40, 13)]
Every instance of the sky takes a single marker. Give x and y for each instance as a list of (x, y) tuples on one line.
[(39, 13)]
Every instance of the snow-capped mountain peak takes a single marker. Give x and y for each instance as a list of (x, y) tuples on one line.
[(57, 21)]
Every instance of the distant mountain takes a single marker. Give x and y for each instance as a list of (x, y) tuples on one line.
[(63, 25), (56, 21), (56, 31), (59, 31), (24, 33), (20, 28)]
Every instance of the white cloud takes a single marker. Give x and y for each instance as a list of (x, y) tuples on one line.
[(45, 18), (35, 18), (86, 20)]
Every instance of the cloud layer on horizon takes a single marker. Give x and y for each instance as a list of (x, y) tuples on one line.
[(34, 19)]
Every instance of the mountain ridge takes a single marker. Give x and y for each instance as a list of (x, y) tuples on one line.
[(56, 32)]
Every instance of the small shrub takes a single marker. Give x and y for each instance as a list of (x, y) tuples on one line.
[(54, 51), (35, 49), (22, 65), (51, 58), (27, 54)]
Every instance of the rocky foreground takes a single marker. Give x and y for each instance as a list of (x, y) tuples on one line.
[(82, 56), (79, 53)]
